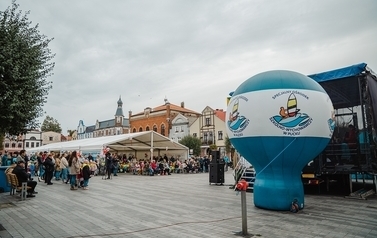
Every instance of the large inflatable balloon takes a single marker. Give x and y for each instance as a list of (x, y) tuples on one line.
[(279, 121)]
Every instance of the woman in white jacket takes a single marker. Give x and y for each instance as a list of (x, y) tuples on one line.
[(64, 167), (74, 169)]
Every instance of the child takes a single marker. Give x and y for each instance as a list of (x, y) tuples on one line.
[(86, 174), (93, 168)]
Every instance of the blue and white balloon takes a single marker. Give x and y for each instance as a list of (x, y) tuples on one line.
[(279, 120)]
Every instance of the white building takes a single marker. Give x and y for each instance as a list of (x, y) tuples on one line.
[(210, 129)]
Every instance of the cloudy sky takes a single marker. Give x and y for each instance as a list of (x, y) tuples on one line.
[(194, 51)]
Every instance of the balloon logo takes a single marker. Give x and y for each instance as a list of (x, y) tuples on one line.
[(279, 120)]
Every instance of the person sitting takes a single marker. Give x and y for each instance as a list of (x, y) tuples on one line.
[(350, 137), (166, 168), (23, 176), (153, 167)]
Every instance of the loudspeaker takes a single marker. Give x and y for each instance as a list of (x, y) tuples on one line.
[(216, 173), (215, 157)]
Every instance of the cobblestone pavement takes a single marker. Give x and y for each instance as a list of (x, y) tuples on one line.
[(180, 205)]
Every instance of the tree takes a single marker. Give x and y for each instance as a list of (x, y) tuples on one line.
[(70, 132), (51, 124), (25, 65), (193, 143), (228, 145)]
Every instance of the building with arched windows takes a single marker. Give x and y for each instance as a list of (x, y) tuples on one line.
[(161, 119), (31, 139)]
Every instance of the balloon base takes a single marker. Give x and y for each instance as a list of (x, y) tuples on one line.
[(278, 198)]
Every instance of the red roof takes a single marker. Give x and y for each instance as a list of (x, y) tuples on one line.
[(173, 107), (220, 113)]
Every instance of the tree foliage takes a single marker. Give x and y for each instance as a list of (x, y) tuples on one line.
[(51, 124), (25, 65), (70, 132), (193, 143), (228, 145)]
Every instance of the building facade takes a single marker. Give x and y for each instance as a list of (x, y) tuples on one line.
[(33, 139), (180, 127), (115, 126), (13, 143), (210, 129), (164, 119), (49, 137)]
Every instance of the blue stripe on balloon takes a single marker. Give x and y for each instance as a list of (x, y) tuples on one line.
[(278, 79)]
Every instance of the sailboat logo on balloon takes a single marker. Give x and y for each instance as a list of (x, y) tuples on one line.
[(236, 122), (291, 116)]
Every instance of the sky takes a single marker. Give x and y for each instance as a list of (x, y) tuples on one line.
[(190, 51)]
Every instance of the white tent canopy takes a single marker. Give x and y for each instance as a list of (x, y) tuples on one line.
[(146, 141)]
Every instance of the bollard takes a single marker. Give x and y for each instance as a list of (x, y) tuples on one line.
[(242, 186), (244, 213)]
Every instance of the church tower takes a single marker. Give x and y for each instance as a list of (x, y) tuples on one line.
[(119, 114)]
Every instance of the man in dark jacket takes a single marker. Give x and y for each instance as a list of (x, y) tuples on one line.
[(49, 167), (109, 164), (22, 177)]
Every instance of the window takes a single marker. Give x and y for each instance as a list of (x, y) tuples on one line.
[(134, 130), (163, 129), (50, 138), (13, 145), (33, 138), (6, 145), (194, 135), (176, 129), (147, 129), (155, 128), (181, 128), (27, 144), (36, 144), (32, 144), (205, 136), (140, 129), (208, 121), (220, 135)]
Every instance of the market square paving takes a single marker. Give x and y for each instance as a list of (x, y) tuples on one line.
[(180, 205)]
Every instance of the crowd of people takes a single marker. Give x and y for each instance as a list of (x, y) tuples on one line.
[(157, 165), (75, 169)]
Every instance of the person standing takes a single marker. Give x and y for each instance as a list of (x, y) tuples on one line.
[(74, 169), (115, 165), (49, 167), (58, 169), (109, 164), (226, 161), (90, 157), (64, 167), (41, 157)]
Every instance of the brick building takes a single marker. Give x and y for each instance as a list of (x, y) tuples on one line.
[(160, 118)]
